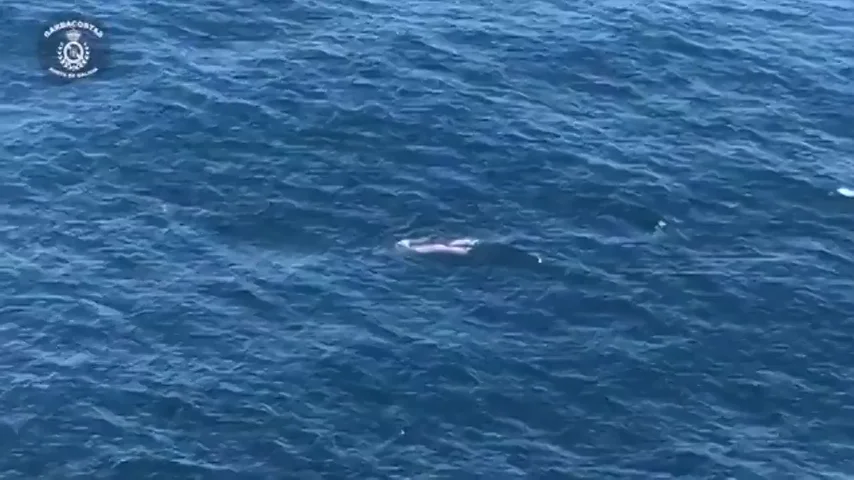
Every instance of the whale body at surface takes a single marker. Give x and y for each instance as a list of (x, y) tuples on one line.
[(475, 250)]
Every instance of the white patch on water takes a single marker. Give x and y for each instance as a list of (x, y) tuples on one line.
[(846, 192)]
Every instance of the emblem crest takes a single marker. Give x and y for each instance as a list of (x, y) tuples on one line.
[(72, 48)]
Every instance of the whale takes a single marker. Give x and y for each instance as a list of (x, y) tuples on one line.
[(471, 249), (460, 246)]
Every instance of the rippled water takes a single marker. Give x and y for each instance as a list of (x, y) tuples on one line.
[(199, 278)]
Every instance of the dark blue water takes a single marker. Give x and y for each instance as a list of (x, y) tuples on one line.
[(199, 278)]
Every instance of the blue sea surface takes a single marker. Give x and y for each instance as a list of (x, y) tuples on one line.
[(197, 245)]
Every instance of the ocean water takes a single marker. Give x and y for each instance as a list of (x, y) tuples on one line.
[(197, 261)]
